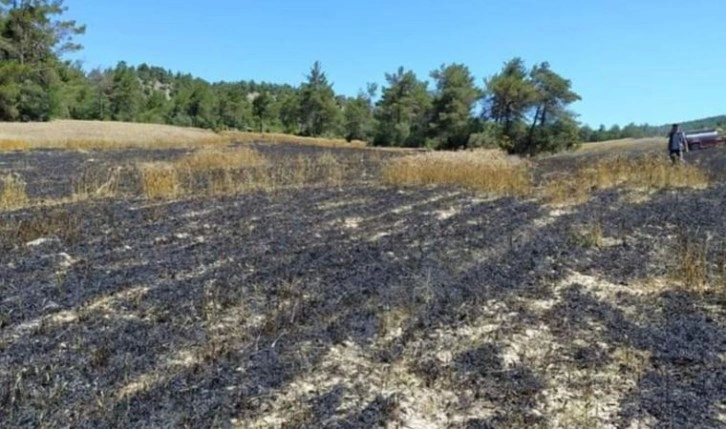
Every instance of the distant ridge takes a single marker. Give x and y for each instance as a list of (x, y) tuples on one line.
[(699, 124)]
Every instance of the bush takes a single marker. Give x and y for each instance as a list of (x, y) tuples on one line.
[(489, 137)]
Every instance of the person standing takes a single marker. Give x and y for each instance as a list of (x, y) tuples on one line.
[(677, 144)]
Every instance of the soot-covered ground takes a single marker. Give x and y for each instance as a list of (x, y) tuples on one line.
[(364, 306)]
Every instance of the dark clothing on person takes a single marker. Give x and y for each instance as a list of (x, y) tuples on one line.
[(677, 143)]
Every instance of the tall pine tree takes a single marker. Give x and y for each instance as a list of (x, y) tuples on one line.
[(402, 112), (32, 41), (453, 104), (318, 107)]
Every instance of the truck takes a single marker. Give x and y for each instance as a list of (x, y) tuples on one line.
[(704, 139)]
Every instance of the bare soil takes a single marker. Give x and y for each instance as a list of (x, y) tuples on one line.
[(359, 306)]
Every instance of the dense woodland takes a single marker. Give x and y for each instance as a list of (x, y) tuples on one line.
[(520, 108)]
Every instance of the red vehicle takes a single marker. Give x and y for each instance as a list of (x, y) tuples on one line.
[(704, 139)]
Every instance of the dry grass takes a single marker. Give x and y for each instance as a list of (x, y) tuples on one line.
[(10, 145), (55, 223), (13, 193), (222, 171), (108, 135), (217, 168), (565, 189), (204, 172), (489, 171), (588, 236), (221, 158), (88, 145), (243, 137), (646, 172), (332, 169), (90, 135), (159, 180), (229, 171), (622, 144), (692, 266), (301, 169), (97, 184)]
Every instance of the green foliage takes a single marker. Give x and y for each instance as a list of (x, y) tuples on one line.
[(531, 108), (488, 135), (358, 120), (290, 113), (155, 108), (234, 109), (452, 106), (402, 112), (556, 135), (201, 105), (509, 95), (26, 93), (318, 107), (32, 35), (35, 101), (31, 42), (553, 127), (126, 94), (639, 131), (76, 96), (262, 109), (10, 78)]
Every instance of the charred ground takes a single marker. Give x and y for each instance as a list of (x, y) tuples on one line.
[(360, 305)]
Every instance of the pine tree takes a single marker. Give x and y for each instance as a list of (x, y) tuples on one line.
[(290, 113), (358, 115), (454, 100), (509, 95), (262, 109), (126, 96), (202, 105), (553, 126), (318, 108), (403, 110), (32, 42)]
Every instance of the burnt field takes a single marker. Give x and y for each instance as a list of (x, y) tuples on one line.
[(351, 303), (57, 173)]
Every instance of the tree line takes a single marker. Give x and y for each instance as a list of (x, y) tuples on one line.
[(521, 109), (588, 134)]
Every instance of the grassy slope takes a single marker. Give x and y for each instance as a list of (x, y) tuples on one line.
[(69, 133), (63, 131), (623, 144), (106, 134)]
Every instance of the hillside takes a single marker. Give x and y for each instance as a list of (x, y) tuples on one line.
[(99, 134), (700, 124), (80, 134)]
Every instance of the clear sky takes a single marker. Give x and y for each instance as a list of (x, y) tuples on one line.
[(655, 61)]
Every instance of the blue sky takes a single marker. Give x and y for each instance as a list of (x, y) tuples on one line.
[(655, 61)]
